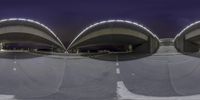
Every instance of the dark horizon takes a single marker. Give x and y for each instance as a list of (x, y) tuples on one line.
[(165, 18)]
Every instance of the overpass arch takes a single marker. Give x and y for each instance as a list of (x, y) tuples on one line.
[(117, 36), (28, 34), (188, 40)]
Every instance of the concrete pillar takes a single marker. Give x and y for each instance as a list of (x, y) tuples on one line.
[(77, 51), (130, 48), (1, 46)]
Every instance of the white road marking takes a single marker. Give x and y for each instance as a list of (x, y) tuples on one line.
[(7, 97), (117, 63), (14, 69), (117, 70), (133, 74), (124, 94)]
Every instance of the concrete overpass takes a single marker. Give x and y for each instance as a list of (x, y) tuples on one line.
[(30, 33), (165, 75), (188, 40), (106, 35)]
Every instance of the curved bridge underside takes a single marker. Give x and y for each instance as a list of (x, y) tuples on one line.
[(24, 30), (115, 36), (188, 40)]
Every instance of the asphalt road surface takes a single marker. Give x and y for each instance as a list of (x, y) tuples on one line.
[(166, 74)]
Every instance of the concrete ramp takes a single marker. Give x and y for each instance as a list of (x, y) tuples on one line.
[(32, 77), (40, 76), (185, 74), (8, 80), (147, 76), (164, 74), (89, 79)]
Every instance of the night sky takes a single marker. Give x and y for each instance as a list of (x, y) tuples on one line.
[(67, 18)]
